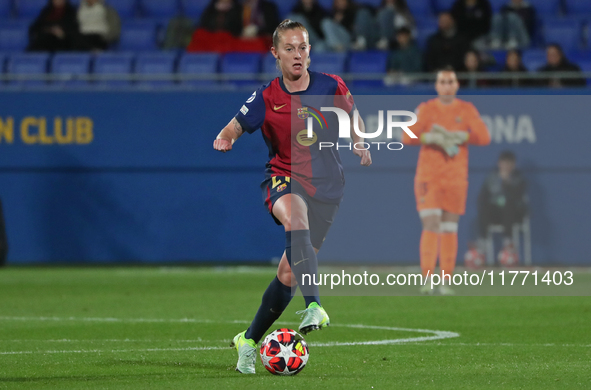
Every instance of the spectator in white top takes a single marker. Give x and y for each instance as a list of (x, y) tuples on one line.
[(99, 25)]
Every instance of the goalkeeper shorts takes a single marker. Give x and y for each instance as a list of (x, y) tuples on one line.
[(450, 197)]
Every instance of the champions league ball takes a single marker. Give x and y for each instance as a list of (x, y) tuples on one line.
[(508, 258), (474, 259), (284, 352)]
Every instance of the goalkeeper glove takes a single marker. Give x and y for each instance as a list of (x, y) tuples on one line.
[(457, 137), (439, 139)]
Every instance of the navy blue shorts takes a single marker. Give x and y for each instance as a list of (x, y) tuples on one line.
[(320, 214)]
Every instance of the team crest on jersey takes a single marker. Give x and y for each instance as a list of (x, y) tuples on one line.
[(348, 95), (303, 113), (281, 187)]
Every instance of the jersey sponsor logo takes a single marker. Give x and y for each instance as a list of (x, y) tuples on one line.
[(244, 110), (276, 108), (304, 140), (252, 97)]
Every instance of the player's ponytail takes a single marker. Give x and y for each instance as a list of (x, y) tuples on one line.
[(288, 24)]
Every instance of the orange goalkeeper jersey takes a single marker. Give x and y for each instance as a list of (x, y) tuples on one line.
[(434, 163)]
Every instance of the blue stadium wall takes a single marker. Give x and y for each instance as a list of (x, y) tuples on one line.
[(131, 177)]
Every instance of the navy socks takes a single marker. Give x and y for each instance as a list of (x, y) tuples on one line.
[(304, 265)]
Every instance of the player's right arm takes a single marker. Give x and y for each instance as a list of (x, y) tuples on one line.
[(229, 134), (418, 128), (250, 117)]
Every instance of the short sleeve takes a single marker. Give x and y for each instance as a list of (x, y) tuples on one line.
[(343, 98), (252, 114)]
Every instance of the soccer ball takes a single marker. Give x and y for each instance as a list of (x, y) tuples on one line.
[(474, 259), (284, 352), (508, 257)]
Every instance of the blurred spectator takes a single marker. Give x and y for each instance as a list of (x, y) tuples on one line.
[(513, 69), (259, 18), (178, 33), (310, 14), (509, 30), (468, 72), (473, 18), (446, 47), (99, 25), (502, 200), (55, 29), (222, 15), (557, 62), (525, 11), (348, 27), (406, 58), (393, 15)]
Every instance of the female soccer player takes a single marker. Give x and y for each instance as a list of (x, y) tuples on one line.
[(304, 183)]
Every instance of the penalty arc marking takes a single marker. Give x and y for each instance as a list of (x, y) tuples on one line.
[(426, 334)]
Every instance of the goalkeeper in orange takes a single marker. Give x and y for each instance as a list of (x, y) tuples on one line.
[(445, 127)]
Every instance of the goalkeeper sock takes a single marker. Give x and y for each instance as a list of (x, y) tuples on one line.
[(275, 300), (302, 260), (448, 252), (429, 244)]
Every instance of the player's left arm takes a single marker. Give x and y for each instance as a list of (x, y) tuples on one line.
[(479, 134)]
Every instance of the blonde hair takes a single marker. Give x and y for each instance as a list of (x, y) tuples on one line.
[(288, 24)]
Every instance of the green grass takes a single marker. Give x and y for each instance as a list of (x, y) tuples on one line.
[(123, 328)]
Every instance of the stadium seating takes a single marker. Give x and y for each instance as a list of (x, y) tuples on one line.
[(332, 63), (3, 59), (270, 64), (162, 63), (326, 4), (372, 3), (160, 8), (245, 63), (126, 8), (566, 32), (420, 8), (69, 65), (578, 7), (284, 7), (368, 62), (497, 4), (29, 8), (443, 5), (114, 64), (547, 8), (14, 35), (28, 63), (199, 63), (534, 59), (5, 8), (138, 35), (425, 28), (194, 8)]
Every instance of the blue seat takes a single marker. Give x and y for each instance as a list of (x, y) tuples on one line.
[(498, 4), (160, 8), (332, 63), (199, 63), (367, 63), (425, 28), (194, 8), (3, 59), (28, 63), (443, 5), (69, 65), (14, 35), (534, 59), (5, 8), (125, 8), (29, 8), (248, 64), (138, 35), (577, 7), (420, 8), (270, 65), (114, 64), (567, 33), (372, 3), (284, 7), (549, 8), (326, 4), (155, 64)]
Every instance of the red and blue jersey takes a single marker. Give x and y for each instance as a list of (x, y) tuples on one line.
[(282, 117)]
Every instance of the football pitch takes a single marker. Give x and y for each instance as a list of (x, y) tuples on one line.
[(169, 328)]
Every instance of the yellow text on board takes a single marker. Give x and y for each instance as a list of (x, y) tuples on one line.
[(40, 131)]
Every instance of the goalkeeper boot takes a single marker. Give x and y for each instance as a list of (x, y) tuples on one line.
[(247, 349), (314, 317)]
